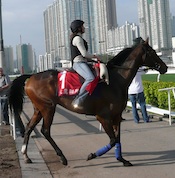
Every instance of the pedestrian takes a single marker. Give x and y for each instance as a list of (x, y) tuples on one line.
[(136, 95), (80, 56), (137, 41), (4, 86)]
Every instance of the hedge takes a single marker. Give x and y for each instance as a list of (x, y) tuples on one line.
[(158, 98)]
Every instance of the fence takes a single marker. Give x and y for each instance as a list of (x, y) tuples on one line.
[(159, 111), (156, 110), (170, 113), (149, 109)]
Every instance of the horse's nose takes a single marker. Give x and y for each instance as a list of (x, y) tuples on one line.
[(164, 70)]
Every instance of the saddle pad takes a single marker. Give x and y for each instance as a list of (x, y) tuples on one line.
[(68, 83)]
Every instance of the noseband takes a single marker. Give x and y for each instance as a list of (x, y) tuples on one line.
[(157, 66)]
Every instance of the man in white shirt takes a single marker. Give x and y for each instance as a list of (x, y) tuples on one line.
[(136, 94)]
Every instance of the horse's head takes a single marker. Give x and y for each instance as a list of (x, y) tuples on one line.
[(151, 59)]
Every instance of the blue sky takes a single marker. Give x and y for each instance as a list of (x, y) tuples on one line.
[(25, 18)]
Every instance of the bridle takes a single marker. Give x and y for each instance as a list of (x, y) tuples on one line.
[(146, 53)]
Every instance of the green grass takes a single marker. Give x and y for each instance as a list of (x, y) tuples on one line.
[(163, 78)]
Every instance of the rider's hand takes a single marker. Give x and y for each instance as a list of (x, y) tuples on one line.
[(97, 58)]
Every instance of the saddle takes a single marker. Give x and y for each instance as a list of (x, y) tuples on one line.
[(70, 82)]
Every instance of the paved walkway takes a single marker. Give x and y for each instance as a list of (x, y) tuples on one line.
[(38, 169), (149, 146)]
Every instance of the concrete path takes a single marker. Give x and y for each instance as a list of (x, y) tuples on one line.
[(150, 147)]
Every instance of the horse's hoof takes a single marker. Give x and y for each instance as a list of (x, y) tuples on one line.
[(125, 163), (91, 156), (27, 161), (64, 160)]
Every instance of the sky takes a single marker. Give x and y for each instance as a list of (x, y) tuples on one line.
[(24, 18)]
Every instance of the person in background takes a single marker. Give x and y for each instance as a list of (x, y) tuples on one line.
[(4, 86), (136, 94), (80, 56), (137, 41)]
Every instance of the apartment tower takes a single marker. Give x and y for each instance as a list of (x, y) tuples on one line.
[(99, 16), (155, 23)]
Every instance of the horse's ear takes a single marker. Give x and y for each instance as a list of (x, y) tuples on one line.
[(147, 41)]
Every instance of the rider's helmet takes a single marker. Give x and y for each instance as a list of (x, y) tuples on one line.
[(75, 25)]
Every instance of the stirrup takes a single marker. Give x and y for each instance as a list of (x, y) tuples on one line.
[(76, 106)]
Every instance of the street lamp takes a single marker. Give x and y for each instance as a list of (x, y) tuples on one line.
[(2, 56)]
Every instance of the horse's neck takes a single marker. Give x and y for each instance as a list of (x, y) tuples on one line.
[(126, 72)]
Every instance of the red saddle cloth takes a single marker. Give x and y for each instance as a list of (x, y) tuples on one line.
[(69, 83)]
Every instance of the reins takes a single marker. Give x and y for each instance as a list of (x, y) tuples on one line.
[(120, 67), (139, 70), (144, 56), (126, 68)]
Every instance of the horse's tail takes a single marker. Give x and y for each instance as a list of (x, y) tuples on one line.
[(16, 94)]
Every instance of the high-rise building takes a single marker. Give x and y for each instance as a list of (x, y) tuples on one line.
[(45, 62), (155, 23), (99, 17), (25, 60), (9, 59), (40, 63), (105, 19), (173, 26), (122, 37)]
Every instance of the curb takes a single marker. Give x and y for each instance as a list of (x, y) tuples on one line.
[(38, 167)]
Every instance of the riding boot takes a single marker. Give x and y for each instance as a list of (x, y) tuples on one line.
[(79, 100)]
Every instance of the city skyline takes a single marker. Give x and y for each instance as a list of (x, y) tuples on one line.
[(20, 20)]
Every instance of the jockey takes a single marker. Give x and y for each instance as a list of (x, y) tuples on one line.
[(80, 57)]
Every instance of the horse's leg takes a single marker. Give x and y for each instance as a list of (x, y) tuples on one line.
[(45, 130), (29, 128), (107, 125), (118, 151)]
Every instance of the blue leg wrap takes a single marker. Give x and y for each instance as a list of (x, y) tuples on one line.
[(118, 151), (103, 150)]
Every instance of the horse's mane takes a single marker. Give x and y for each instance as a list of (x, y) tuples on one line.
[(120, 57)]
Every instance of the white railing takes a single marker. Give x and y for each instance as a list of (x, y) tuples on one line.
[(11, 119), (156, 110), (169, 100)]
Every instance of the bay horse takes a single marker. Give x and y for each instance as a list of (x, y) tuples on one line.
[(107, 102)]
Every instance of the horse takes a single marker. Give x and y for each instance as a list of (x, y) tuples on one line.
[(106, 103)]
